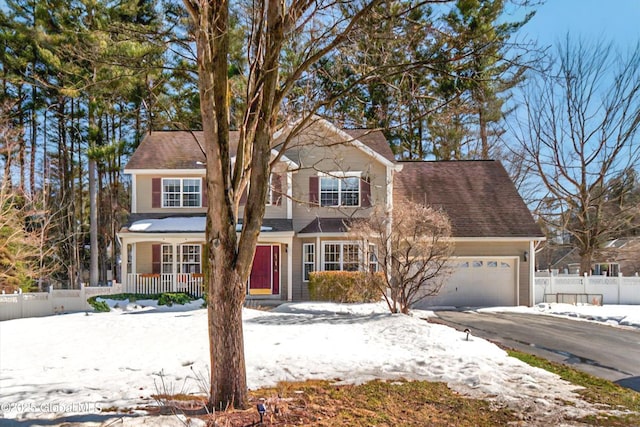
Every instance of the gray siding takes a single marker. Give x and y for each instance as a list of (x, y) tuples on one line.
[(337, 158)]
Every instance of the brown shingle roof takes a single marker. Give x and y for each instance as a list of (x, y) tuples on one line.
[(374, 139), (326, 225), (478, 196), (168, 150), (183, 149)]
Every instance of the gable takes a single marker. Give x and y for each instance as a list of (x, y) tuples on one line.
[(185, 149), (320, 135), (478, 196)]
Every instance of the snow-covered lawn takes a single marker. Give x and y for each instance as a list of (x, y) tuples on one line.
[(78, 363), (615, 315)]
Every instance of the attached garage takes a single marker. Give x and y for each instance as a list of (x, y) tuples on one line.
[(478, 282), (494, 234)]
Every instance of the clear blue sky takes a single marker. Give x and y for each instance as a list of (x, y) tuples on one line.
[(611, 20)]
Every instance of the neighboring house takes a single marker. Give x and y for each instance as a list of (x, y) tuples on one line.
[(617, 256), (326, 176)]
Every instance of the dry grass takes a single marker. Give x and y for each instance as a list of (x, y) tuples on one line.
[(377, 403)]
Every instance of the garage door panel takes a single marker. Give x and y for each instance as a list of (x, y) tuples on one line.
[(477, 282)]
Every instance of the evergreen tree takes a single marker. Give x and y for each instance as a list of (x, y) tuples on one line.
[(483, 65)]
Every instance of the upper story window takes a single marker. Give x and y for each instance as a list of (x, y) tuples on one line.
[(274, 194), (340, 189), (181, 192), (269, 200)]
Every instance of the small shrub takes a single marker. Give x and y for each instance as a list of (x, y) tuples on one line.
[(345, 286), (99, 306), (169, 299)]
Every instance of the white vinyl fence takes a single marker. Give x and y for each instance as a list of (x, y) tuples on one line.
[(588, 289), (56, 301)]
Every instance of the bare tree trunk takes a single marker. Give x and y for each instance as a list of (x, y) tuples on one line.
[(226, 286), (227, 291), (585, 262), (229, 258), (34, 132), (484, 139), (93, 199), (21, 147), (6, 178)]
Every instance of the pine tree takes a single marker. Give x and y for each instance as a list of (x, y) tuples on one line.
[(484, 64)]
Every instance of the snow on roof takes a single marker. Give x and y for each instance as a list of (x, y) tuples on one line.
[(196, 224)]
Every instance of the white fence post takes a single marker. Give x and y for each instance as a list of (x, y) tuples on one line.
[(619, 285), (21, 302), (50, 298), (83, 295)]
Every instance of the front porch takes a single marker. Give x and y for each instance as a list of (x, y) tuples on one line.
[(173, 262)]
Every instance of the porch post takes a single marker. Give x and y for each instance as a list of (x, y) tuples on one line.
[(289, 198), (290, 270), (134, 263), (174, 267), (318, 254), (124, 257)]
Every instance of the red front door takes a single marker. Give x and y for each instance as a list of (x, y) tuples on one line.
[(264, 279)]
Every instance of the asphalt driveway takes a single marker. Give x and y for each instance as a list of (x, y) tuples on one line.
[(601, 350)]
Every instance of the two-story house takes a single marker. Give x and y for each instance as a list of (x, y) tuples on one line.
[(326, 176)]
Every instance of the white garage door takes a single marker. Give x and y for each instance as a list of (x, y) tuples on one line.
[(478, 282)]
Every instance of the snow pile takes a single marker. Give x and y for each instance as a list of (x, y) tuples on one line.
[(121, 358), (625, 315), (615, 315), (162, 225), (194, 224), (149, 305)]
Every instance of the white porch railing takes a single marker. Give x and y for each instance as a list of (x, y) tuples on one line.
[(191, 284), (614, 290)]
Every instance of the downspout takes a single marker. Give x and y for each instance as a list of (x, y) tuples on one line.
[(532, 276)]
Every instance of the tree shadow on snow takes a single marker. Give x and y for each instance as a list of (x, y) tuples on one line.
[(328, 318)]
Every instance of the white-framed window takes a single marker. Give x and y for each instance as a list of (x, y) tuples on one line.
[(166, 261), (189, 259), (372, 258), (270, 191), (308, 260), (340, 256), (181, 192), (340, 189)]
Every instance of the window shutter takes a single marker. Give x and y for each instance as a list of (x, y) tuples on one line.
[(276, 189), (314, 184), (156, 192), (155, 258), (365, 193), (203, 191)]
